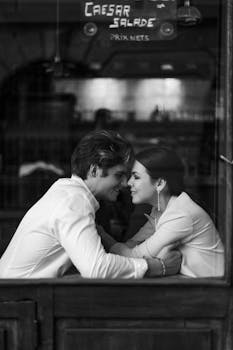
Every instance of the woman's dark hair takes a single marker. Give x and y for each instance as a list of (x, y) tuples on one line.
[(162, 162), (102, 148)]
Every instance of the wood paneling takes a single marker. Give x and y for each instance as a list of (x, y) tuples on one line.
[(2, 338), (95, 314), (17, 325), (137, 339), (146, 301)]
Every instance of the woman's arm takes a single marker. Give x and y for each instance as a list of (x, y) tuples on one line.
[(166, 264), (145, 232), (174, 228)]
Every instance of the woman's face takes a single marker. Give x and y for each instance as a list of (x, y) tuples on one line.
[(142, 187)]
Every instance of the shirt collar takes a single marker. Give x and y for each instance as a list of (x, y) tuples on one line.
[(90, 195)]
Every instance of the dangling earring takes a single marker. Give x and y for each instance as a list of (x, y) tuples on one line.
[(158, 201)]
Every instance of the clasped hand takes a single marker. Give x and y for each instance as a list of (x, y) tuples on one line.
[(172, 260)]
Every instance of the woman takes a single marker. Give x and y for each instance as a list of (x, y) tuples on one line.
[(175, 220)]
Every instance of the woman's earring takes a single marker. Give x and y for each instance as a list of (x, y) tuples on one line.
[(158, 201)]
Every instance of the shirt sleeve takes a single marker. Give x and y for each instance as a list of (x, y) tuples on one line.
[(174, 228), (76, 232)]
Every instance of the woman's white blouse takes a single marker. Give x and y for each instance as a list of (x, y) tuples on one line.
[(188, 226)]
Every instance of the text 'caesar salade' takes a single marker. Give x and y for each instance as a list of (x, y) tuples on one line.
[(120, 14)]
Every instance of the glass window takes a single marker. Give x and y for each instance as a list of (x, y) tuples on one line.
[(156, 71)]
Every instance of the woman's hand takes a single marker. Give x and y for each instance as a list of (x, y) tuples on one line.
[(131, 244)]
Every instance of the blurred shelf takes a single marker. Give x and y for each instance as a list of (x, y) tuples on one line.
[(135, 131)]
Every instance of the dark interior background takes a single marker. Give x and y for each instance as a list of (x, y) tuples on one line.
[(44, 43)]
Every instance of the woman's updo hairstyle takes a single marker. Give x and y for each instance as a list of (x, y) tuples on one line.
[(163, 162)]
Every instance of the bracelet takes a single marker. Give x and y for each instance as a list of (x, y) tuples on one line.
[(162, 263), (163, 266)]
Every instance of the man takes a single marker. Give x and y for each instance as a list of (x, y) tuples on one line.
[(60, 228)]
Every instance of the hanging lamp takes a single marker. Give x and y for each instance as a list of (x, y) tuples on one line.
[(188, 15)]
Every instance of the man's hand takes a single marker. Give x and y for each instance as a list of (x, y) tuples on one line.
[(172, 261)]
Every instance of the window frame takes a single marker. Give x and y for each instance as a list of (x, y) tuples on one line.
[(223, 106)]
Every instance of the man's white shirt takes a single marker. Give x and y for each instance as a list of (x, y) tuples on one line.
[(60, 230)]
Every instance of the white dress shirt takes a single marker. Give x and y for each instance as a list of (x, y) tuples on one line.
[(187, 225), (60, 229)]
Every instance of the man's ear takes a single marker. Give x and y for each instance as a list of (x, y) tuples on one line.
[(160, 184), (94, 170)]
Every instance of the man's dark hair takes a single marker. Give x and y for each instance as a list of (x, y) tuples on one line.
[(102, 148)]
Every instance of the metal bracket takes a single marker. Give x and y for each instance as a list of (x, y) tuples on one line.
[(226, 160)]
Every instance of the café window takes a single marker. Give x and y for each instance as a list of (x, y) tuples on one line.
[(156, 71)]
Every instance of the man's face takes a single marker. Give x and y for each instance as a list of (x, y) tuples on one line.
[(108, 186)]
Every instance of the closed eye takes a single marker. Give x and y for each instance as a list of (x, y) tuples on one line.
[(135, 176)]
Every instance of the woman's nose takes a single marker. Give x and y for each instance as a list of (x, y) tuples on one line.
[(129, 181)]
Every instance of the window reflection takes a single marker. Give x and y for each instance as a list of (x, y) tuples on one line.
[(167, 95), (181, 99)]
